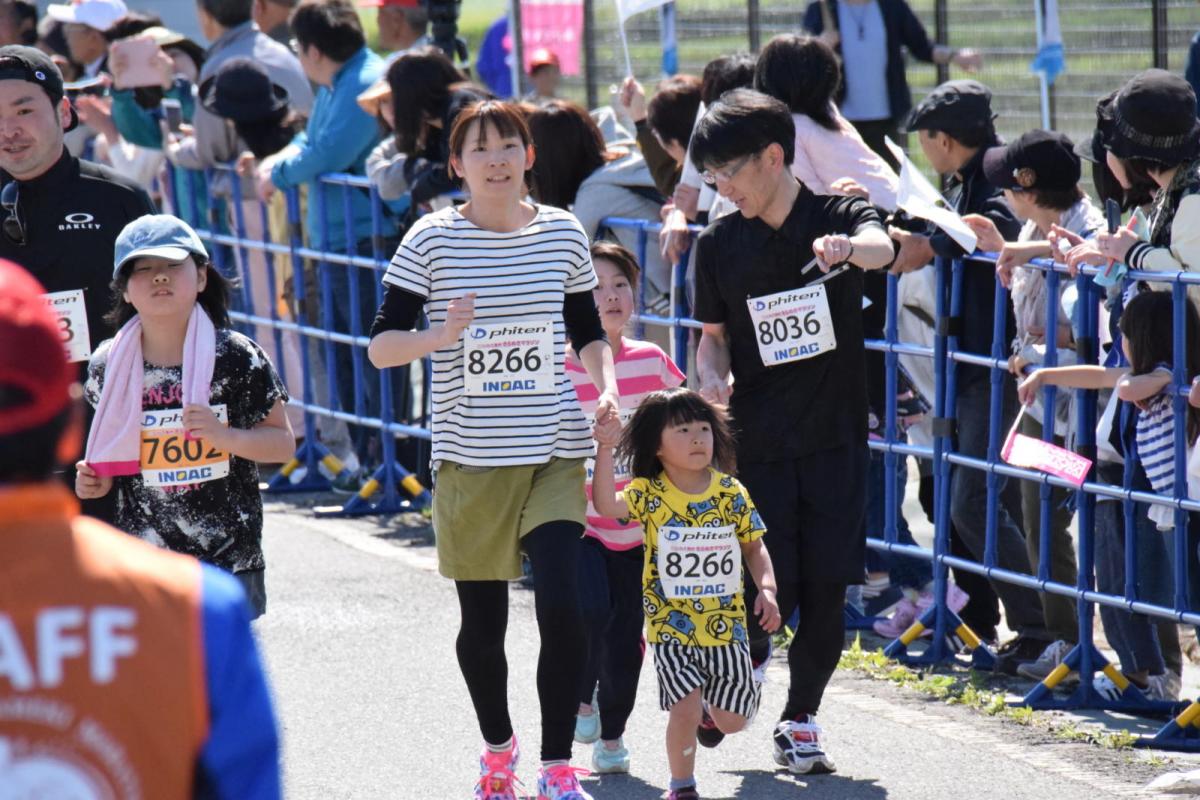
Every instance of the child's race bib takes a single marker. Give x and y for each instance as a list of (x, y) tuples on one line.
[(699, 562), (169, 458), (507, 358), (792, 325), (72, 323)]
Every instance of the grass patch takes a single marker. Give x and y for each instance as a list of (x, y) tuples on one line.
[(970, 689)]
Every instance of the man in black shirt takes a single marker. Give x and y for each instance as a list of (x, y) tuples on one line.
[(59, 216), (779, 290), (954, 125)]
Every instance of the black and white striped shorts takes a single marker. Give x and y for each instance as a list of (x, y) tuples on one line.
[(724, 674)]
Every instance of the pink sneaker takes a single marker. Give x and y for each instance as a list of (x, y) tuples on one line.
[(900, 620), (496, 774), (956, 599), (561, 782)]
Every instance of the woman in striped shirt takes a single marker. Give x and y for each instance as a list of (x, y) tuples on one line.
[(610, 578), (504, 283)]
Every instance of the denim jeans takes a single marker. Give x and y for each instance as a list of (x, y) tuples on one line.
[(904, 571), (968, 505), (1134, 637)]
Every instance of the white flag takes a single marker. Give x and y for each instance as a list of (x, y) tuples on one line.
[(627, 8), (917, 196)]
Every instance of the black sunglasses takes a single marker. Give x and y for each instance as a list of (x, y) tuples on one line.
[(13, 228)]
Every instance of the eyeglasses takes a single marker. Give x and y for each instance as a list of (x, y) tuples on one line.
[(13, 228), (728, 174)]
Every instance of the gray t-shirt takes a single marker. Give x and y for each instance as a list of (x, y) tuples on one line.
[(864, 61)]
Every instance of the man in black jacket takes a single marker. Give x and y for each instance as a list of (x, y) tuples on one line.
[(954, 125), (59, 215)]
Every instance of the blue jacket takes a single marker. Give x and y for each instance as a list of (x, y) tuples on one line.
[(338, 138)]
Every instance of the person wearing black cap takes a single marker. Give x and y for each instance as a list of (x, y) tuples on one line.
[(1155, 135), (59, 215), (955, 127), (1039, 173)]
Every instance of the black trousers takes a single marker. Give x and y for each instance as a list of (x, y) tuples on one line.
[(553, 550), (610, 592)]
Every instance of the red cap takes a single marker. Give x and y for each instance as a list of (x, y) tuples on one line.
[(32, 359), (381, 3), (542, 58)]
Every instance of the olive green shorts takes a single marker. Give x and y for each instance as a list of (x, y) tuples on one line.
[(481, 513)]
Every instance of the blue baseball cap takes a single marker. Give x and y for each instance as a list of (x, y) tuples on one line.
[(160, 235)]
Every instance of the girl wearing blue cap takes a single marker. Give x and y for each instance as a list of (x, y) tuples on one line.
[(184, 407)]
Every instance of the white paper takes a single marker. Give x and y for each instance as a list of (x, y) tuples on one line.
[(70, 309), (918, 197)]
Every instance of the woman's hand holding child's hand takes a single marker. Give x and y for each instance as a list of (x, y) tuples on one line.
[(89, 484), (607, 433)]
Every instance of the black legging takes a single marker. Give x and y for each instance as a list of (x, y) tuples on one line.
[(553, 551), (817, 646)]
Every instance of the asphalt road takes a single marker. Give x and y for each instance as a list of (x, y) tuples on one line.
[(359, 641)]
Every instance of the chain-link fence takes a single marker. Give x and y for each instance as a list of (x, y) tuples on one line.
[(1106, 41)]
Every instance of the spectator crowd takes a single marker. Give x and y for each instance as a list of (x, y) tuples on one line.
[(120, 138)]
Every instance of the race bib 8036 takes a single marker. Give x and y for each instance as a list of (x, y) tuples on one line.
[(699, 562), (792, 325), (169, 458), (507, 358), (72, 323)]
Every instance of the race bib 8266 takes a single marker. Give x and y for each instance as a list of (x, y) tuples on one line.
[(699, 562), (507, 358)]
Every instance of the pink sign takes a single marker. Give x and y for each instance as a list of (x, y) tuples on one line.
[(1025, 451), (555, 26)]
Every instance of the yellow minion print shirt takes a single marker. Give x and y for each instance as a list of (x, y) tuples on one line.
[(707, 620)]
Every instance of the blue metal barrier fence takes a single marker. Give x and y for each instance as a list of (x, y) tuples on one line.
[(396, 409)]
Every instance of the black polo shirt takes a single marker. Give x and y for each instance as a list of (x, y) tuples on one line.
[(72, 214), (799, 407)]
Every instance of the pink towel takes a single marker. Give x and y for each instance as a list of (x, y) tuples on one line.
[(115, 440)]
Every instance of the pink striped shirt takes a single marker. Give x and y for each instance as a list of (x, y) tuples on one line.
[(641, 368)]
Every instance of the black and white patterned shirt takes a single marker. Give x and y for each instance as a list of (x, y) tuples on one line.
[(218, 521), (519, 276)]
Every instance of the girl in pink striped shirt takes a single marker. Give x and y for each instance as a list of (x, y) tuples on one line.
[(610, 581)]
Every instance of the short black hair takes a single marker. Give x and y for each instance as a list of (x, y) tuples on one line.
[(671, 113), (228, 13), (332, 26), (25, 12), (726, 73), (214, 299), (1056, 199), (642, 437), (974, 136), (132, 24), (31, 455), (743, 122)]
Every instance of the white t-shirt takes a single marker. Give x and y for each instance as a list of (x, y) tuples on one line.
[(520, 276)]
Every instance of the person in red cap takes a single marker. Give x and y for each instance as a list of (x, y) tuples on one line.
[(104, 638), (546, 73), (402, 25)]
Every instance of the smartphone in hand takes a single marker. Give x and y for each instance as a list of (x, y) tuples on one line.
[(172, 113)]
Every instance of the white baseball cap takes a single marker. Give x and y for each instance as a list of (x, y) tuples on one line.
[(98, 14)]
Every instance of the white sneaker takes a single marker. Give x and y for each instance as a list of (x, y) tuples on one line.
[(1105, 687), (1047, 662), (1163, 687), (798, 747)]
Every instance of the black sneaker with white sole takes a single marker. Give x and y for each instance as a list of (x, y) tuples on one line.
[(707, 732), (798, 747)]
